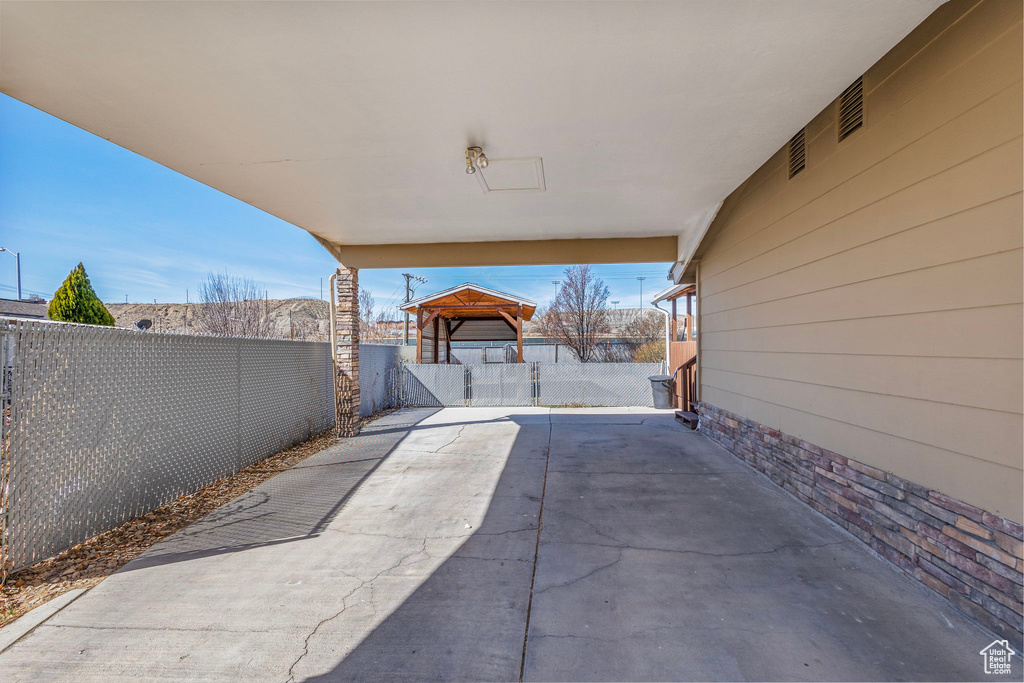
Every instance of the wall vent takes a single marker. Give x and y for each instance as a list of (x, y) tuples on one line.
[(797, 153), (851, 109)]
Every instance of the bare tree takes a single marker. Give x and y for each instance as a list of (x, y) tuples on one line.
[(366, 326), (579, 315), (374, 325), (233, 306)]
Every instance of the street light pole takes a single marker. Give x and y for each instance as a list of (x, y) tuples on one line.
[(17, 257), (641, 278)]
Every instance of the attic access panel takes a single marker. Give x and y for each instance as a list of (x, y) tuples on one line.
[(512, 175)]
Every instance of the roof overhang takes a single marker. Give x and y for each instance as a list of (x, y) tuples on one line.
[(350, 119), (469, 300), (674, 292)]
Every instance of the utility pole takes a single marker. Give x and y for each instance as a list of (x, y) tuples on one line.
[(556, 283), (641, 278), (408, 297), (17, 257)]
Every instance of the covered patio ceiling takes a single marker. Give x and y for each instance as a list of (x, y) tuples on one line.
[(349, 119)]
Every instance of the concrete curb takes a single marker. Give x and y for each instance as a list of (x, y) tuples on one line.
[(26, 623)]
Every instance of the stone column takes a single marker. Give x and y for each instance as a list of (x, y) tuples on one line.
[(346, 352)]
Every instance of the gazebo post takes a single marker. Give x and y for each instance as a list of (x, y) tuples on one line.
[(448, 340), (419, 335), (689, 318), (437, 339)]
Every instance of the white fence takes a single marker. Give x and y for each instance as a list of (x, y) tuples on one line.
[(530, 384)]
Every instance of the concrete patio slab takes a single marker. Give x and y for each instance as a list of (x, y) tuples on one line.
[(13, 632), (412, 552)]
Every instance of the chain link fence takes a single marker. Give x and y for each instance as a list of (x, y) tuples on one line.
[(501, 385), (431, 385), (530, 384), (596, 384), (102, 425), (380, 375)]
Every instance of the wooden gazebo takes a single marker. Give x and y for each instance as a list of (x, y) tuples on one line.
[(467, 313)]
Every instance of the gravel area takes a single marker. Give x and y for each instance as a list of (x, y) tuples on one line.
[(88, 563)]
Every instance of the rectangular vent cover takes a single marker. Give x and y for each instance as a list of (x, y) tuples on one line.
[(797, 153), (851, 109)]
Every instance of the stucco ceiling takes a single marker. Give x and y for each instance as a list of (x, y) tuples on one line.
[(349, 119)]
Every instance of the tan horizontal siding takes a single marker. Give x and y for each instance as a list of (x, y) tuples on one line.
[(908, 129), (985, 332), (974, 480), (893, 84), (995, 436), (992, 384), (957, 142), (825, 259), (991, 279), (873, 304), (942, 198)]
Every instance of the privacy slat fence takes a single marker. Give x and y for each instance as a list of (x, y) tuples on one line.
[(106, 424), (530, 384)]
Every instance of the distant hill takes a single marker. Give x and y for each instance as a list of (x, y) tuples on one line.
[(309, 317)]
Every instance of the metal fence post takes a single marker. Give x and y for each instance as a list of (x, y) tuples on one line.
[(535, 376), (6, 461), (238, 404)]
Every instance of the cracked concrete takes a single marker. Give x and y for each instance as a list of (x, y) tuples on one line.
[(507, 544)]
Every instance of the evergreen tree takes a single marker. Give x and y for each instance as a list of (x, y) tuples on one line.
[(76, 301)]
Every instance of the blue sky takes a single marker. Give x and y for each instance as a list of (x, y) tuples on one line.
[(146, 232)]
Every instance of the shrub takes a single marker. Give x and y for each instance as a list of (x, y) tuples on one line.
[(76, 301), (651, 352)]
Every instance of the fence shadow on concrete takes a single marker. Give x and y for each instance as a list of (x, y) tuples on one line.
[(270, 515)]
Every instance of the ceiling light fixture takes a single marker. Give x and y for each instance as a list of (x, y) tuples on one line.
[(475, 158)]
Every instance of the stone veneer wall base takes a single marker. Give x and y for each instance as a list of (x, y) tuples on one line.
[(970, 556)]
